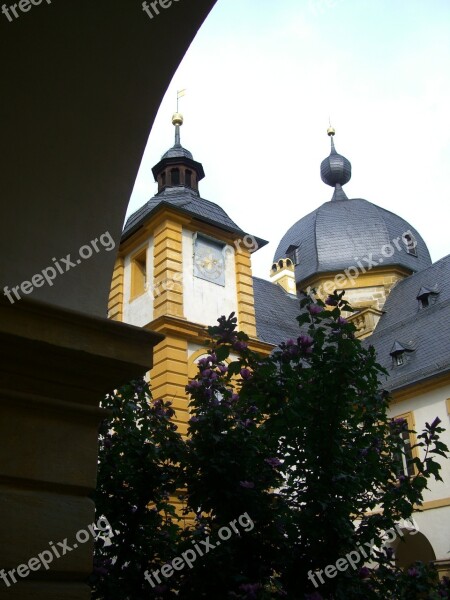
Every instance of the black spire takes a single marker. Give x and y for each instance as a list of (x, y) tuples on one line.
[(177, 167), (336, 170)]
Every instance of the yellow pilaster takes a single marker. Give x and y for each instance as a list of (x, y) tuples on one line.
[(168, 270), (169, 376), (115, 303), (245, 297)]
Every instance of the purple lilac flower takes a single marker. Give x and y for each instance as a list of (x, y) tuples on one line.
[(239, 346), (250, 589), (413, 572), (342, 321), (273, 462), (330, 301), (194, 385), (249, 485), (315, 309), (246, 373), (305, 341), (364, 572)]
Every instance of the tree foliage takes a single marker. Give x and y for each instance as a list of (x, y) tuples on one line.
[(300, 441)]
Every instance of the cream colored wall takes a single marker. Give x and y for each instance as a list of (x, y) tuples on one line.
[(426, 406), (435, 526), (205, 302), (434, 523)]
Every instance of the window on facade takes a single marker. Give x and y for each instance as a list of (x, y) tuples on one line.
[(410, 244), (405, 457), (175, 176), (163, 179), (138, 273), (188, 178)]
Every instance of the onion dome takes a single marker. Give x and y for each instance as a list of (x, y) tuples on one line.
[(336, 170)]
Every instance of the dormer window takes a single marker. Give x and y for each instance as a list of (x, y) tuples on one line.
[(175, 176), (410, 243), (399, 352), (293, 253), (427, 296)]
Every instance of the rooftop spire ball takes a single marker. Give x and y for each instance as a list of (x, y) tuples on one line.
[(177, 119), (335, 170)]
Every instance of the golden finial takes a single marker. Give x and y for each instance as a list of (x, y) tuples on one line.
[(177, 119), (331, 131)]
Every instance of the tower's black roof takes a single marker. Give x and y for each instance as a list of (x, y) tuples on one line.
[(186, 201), (177, 151)]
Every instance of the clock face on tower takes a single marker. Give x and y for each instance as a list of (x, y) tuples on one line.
[(209, 260)]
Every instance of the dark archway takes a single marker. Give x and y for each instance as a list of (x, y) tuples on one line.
[(414, 547)]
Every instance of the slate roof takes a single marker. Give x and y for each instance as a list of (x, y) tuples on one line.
[(177, 151), (424, 330), (340, 232), (186, 201), (276, 312)]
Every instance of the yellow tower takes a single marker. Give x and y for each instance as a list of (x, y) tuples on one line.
[(182, 263)]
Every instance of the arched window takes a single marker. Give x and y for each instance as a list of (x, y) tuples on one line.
[(163, 179), (188, 178), (175, 176)]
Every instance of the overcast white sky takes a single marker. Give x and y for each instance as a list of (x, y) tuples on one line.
[(264, 76)]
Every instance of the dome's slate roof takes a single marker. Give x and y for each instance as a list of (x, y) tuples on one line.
[(341, 232)]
